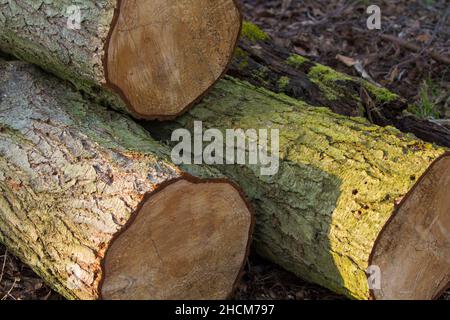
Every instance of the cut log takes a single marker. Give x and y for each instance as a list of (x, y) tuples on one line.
[(159, 56), (265, 64), (349, 197), (92, 204)]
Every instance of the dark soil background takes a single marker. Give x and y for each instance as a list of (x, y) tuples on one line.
[(322, 30)]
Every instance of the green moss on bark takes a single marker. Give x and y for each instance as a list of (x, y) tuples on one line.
[(296, 61), (242, 58), (332, 84), (283, 82), (252, 32), (327, 80), (381, 95)]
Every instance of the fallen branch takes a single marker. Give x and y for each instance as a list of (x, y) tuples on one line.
[(261, 62), (415, 48)]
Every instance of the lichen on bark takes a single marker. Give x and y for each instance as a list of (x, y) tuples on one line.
[(337, 185), (37, 31), (71, 175)]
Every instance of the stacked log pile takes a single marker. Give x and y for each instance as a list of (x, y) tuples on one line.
[(93, 201)]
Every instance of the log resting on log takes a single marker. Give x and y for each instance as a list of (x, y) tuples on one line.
[(265, 64), (159, 56), (349, 195), (89, 200)]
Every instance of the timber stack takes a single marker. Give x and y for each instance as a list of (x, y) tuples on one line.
[(93, 201)]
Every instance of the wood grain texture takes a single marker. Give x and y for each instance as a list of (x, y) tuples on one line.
[(76, 177), (164, 54), (187, 242)]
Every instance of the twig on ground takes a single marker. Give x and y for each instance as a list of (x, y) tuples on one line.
[(3, 266), (413, 47), (10, 290)]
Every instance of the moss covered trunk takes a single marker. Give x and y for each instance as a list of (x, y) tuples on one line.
[(338, 183), (74, 175), (265, 64)]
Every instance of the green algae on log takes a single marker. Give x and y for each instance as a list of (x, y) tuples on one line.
[(93, 205), (334, 210), (153, 59), (265, 64)]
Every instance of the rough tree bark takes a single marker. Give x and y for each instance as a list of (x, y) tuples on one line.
[(348, 195), (263, 63), (91, 202), (159, 56)]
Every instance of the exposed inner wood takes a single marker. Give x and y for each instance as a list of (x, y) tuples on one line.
[(413, 251), (164, 54), (188, 241)]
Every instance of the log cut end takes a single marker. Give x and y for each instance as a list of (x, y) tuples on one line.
[(189, 240), (163, 55), (413, 251)]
